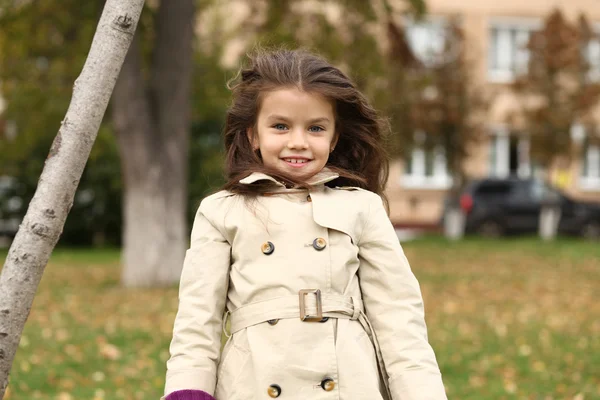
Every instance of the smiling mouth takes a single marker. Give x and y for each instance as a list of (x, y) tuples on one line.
[(296, 162)]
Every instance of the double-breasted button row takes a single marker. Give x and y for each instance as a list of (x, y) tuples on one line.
[(326, 384), (268, 247)]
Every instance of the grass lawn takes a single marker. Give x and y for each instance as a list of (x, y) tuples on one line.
[(512, 319)]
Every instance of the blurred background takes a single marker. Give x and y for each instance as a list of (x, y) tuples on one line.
[(494, 182)]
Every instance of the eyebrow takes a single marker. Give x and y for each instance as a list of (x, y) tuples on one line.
[(312, 121)]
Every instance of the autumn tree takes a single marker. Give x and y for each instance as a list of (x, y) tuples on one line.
[(404, 78), (556, 92), (443, 100)]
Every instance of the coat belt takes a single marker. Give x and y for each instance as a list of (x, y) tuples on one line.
[(332, 305), (286, 307)]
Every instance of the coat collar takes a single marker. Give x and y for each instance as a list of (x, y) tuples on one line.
[(324, 176)]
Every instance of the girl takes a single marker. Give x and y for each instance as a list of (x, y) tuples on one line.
[(298, 254)]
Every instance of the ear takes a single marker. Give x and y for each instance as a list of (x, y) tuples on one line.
[(252, 138)]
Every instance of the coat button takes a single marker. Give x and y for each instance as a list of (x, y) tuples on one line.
[(308, 198), (319, 244), (268, 248), (328, 384), (274, 391), (273, 321)]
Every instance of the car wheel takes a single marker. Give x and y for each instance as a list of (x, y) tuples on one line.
[(490, 229), (591, 231)]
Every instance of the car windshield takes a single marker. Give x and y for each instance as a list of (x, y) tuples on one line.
[(493, 188)]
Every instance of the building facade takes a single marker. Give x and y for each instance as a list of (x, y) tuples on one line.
[(496, 35)]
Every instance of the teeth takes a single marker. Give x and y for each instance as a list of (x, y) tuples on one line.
[(294, 160)]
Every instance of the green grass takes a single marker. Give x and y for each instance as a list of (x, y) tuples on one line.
[(510, 319)]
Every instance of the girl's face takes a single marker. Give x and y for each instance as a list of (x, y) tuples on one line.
[(295, 132)]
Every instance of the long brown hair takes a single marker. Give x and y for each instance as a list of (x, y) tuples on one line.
[(359, 156)]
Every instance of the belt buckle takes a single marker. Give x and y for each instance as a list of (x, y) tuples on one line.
[(305, 317)]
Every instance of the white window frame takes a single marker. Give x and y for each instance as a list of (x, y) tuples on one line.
[(501, 167), (417, 179), (592, 53), (591, 181), (508, 25)]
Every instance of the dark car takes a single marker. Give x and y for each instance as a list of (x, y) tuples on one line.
[(495, 207)]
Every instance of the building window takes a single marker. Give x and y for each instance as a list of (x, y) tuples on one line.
[(426, 39), (590, 168), (592, 55), (509, 155), (426, 169), (508, 53)]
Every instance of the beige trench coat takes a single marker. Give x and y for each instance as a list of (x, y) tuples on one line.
[(249, 263)]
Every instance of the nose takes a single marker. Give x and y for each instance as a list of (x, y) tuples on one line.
[(297, 139)]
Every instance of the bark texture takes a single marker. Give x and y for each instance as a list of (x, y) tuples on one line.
[(151, 116), (47, 212)]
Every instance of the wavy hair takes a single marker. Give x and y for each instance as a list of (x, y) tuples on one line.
[(359, 156)]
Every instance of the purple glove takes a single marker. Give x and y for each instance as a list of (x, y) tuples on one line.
[(189, 395)]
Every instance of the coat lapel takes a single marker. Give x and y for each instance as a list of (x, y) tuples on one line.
[(334, 209)]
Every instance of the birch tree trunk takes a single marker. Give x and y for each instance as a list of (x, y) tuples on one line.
[(47, 212), (151, 118)]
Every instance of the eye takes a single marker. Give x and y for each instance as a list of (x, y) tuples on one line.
[(280, 127), (316, 129)]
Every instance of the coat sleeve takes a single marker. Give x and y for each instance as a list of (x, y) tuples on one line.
[(394, 305), (196, 344)]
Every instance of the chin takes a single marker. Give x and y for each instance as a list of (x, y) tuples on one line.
[(298, 174)]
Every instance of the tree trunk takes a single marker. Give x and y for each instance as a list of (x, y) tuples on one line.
[(548, 221), (47, 212), (454, 217), (152, 121), (454, 222)]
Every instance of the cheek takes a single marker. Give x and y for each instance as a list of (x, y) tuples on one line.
[(271, 146), (321, 147)]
